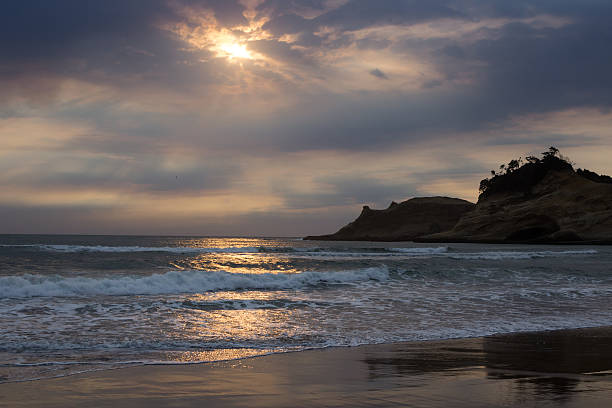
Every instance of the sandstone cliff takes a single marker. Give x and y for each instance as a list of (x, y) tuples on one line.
[(544, 200), (564, 207), (541, 201), (402, 222)]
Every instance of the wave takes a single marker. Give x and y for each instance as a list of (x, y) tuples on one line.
[(420, 251), (502, 255), (250, 249), (175, 282), (321, 252), (102, 248)]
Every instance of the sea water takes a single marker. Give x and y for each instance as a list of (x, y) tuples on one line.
[(71, 304)]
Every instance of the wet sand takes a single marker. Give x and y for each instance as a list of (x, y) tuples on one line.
[(568, 368)]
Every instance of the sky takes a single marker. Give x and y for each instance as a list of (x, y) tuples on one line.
[(284, 117)]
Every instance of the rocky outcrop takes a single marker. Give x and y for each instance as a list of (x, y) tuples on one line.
[(402, 222), (564, 206), (543, 200)]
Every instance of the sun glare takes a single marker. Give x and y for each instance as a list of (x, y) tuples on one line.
[(235, 50)]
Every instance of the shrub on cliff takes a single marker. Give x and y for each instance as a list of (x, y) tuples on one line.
[(518, 176)]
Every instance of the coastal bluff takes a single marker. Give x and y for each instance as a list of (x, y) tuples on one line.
[(402, 222), (542, 200), (564, 207)]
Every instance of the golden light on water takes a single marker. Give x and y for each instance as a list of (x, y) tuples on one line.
[(215, 355)]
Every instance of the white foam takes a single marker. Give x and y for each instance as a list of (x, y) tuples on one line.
[(333, 252), (419, 251), (501, 255), (190, 281)]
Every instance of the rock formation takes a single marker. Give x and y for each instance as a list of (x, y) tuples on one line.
[(542, 201), (402, 222), (563, 207)]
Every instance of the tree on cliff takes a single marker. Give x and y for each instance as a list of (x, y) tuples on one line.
[(518, 176)]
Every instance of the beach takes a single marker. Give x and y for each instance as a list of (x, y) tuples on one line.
[(305, 203), (569, 368)]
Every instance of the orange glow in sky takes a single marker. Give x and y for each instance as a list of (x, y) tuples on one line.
[(236, 50)]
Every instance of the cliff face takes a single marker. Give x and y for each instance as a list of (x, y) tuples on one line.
[(563, 206), (541, 201), (402, 222)]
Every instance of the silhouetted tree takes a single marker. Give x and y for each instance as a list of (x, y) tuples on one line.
[(513, 165), (517, 176), (552, 152)]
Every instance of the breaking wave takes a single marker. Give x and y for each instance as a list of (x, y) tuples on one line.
[(174, 282)]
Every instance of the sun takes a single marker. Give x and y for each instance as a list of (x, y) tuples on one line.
[(236, 50)]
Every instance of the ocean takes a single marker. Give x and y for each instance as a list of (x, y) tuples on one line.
[(71, 304)]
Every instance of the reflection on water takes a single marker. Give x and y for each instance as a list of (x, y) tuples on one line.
[(554, 388), (549, 366), (212, 355), (239, 263), (238, 317), (420, 358), (549, 352)]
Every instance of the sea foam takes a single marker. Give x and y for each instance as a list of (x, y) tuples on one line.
[(501, 255), (420, 251), (189, 281)]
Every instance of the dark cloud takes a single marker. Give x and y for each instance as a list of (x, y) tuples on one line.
[(354, 15), (357, 14), (515, 69), (115, 42), (432, 84), (288, 24), (528, 70), (378, 74), (281, 52), (280, 7)]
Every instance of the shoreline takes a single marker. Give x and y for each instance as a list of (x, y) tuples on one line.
[(570, 365)]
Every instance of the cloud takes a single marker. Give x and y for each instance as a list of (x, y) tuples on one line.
[(345, 190), (357, 14), (159, 175), (378, 74), (109, 101)]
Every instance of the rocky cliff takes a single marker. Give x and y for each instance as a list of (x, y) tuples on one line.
[(564, 207), (402, 222), (544, 200)]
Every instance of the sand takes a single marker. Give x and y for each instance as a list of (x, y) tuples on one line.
[(568, 368)]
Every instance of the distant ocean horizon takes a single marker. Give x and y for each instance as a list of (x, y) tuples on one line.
[(74, 303)]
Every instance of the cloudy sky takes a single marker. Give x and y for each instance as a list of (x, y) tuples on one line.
[(284, 117)]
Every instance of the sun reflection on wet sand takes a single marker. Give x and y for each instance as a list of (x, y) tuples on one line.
[(182, 357)]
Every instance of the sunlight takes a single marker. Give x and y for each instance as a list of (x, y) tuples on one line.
[(235, 50)]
